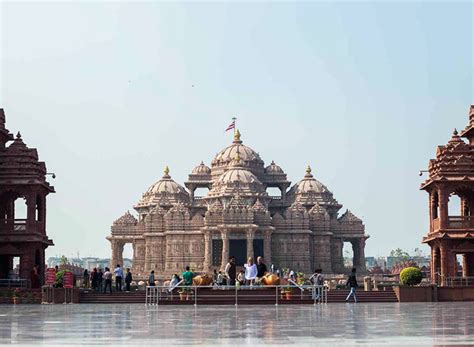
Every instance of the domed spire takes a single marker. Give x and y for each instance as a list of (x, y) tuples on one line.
[(237, 137), (166, 171)]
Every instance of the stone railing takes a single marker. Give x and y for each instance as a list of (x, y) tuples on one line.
[(460, 222), (13, 225)]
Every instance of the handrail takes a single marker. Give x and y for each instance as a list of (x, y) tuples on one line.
[(157, 294), (296, 285), (176, 285)]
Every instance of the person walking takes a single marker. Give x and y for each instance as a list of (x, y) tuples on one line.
[(118, 278), (317, 280), (128, 280), (231, 271), (108, 280), (352, 284), (151, 278), (85, 277)]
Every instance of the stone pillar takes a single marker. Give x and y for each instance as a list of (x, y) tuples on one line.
[(207, 251), (434, 262), (250, 236), (430, 206), (361, 253), (31, 210), (26, 264), (115, 254), (225, 249), (443, 208), (267, 247)]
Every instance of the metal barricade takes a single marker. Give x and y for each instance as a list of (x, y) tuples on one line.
[(318, 294)]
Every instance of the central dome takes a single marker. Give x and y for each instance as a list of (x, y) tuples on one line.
[(250, 159), (237, 177)]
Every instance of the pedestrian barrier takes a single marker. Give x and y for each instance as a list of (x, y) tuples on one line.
[(277, 294)]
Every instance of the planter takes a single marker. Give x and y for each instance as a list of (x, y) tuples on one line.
[(415, 294)]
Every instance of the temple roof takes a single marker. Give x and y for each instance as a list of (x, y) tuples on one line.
[(165, 191), (455, 160), (310, 191), (126, 219)]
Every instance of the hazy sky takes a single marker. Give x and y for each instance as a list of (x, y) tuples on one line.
[(363, 92)]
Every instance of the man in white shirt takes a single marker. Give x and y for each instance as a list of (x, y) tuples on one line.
[(118, 278)]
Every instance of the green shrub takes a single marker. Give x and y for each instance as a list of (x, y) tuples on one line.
[(411, 276)]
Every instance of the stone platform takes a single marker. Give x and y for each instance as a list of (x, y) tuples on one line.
[(373, 324)]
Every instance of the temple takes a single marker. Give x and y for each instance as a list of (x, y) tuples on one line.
[(451, 175), (300, 228), (22, 182)]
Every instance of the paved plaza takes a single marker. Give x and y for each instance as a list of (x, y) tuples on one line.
[(406, 324)]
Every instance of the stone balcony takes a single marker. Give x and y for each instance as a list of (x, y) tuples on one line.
[(455, 223)]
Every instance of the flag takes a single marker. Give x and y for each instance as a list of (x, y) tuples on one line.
[(231, 126)]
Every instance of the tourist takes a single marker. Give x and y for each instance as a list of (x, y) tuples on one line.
[(220, 279), (214, 276), (352, 283), (85, 276), (241, 277), (250, 271), (317, 280), (108, 280), (100, 275), (118, 278), (128, 280), (188, 277), (261, 267), (151, 278), (93, 278), (230, 271), (174, 281)]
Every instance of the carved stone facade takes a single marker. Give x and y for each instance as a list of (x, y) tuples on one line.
[(300, 228), (452, 174), (22, 180)]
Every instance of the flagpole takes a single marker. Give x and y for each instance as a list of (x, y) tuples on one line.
[(235, 125)]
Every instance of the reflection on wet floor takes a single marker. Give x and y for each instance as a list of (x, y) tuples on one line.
[(338, 324)]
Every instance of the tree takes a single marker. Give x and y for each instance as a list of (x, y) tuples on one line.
[(418, 252), (63, 260), (399, 253)]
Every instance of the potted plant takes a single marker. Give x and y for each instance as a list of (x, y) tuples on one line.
[(411, 276), (287, 293)]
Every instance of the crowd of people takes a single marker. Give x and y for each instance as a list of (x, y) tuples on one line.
[(251, 274), (100, 281)]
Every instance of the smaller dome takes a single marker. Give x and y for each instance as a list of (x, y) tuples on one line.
[(166, 191), (273, 169), (166, 185), (201, 169)]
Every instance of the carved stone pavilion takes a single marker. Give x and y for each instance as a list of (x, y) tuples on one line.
[(451, 174), (22, 180), (299, 229)]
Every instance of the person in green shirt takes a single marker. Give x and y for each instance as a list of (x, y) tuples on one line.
[(188, 277)]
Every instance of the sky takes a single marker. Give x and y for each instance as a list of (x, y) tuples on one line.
[(112, 92)]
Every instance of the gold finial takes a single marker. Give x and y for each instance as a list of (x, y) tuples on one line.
[(166, 171), (237, 135), (308, 170)]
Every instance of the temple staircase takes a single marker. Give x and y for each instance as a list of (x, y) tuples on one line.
[(208, 296)]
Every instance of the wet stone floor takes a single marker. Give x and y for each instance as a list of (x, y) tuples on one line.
[(407, 324)]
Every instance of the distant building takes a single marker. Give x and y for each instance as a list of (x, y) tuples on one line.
[(88, 263)]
